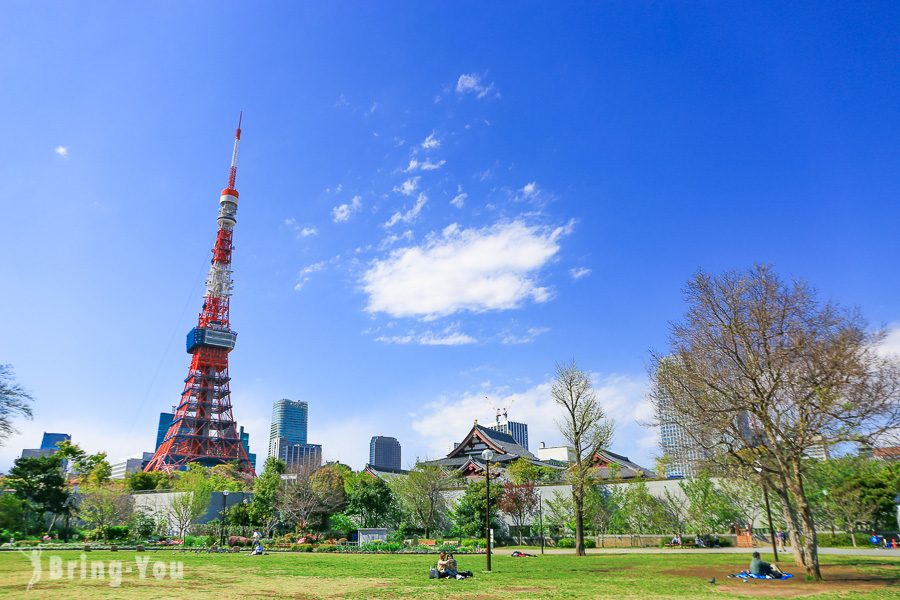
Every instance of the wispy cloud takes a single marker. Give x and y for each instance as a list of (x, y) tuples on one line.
[(449, 336), (471, 83), (431, 142), (408, 187), (299, 230), (424, 165), (579, 272), (342, 101), (61, 151), (530, 190), (410, 215), (890, 345), (343, 212), (529, 336), (305, 273), (474, 270)]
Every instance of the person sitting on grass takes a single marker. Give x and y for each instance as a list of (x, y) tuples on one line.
[(453, 568), (761, 568)]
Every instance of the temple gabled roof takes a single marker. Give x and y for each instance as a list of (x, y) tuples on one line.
[(498, 441), (605, 458)]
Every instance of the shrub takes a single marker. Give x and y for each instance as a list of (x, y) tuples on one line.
[(325, 548), (301, 547), (566, 543), (117, 532), (841, 540), (194, 541)]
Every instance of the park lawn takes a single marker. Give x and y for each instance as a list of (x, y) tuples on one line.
[(307, 576)]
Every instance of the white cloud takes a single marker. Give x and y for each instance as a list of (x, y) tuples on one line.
[(408, 187), (890, 346), (471, 83), (623, 397), (410, 215), (431, 142), (62, 151), (530, 189), (343, 212), (578, 272), (530, 335), (301, 231), (425, 165), (306, 272), (459, 200), (476, 270), (341, 101), (449, 336)]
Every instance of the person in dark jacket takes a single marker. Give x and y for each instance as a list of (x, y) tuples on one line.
[(761, 568)]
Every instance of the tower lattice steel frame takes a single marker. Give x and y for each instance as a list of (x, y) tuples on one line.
[(204, 429)]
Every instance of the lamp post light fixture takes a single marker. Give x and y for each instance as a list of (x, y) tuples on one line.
[(487, 454), (222, 514), (765, 488)]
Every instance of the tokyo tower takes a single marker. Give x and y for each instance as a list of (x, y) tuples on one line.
[(203, 429)]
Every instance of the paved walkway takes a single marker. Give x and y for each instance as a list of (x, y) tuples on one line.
[(840, 551)]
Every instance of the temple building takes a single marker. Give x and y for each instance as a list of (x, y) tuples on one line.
[(466, 456)]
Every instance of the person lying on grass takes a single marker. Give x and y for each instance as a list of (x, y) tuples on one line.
[(761, 568)]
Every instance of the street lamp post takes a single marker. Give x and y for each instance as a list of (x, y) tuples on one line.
[(222, 514), (765, 488), (541, 517), (487, 455)]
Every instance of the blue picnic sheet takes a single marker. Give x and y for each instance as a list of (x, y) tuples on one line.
[(746, 575)]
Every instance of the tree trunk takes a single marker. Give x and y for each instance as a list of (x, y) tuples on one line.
[(852, 538), (790, 517), (795, 486), (578, 497)]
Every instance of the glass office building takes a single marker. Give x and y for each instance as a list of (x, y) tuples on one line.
[(384, 452), (290, 419)]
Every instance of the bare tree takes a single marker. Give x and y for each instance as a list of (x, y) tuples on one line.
[(763, 371), (586, 428), (297, 500), (14, 400)]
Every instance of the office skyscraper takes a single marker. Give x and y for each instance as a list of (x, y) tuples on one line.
[(517, 431), (165, 421), (384, 452), (52, 440), (289, 421), (682, 453)]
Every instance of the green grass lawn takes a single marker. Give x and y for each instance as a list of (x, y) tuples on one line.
[(308, 576)]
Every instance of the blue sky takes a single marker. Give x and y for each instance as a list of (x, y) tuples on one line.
[(438, 201)]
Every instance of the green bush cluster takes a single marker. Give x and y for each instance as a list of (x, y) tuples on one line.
[(570, 543), (301, 547)]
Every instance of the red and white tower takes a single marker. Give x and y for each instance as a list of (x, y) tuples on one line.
[(203, 429)]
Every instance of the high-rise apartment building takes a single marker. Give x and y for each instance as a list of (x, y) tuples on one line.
[(290, 419), (384, 452), (298, 457)]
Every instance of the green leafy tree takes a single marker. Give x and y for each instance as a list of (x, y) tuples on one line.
[(421, 494), (370, 501), (601, 509), (263, 510), (143, 481), (14, 400), (643, 512), (709, 510), (560, 515), (91, 469), (104, 506), (469, 513), (12, 513), (40, 482), (328, 484), (523, 470)]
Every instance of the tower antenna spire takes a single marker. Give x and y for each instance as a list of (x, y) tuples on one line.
[(232, 173)]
